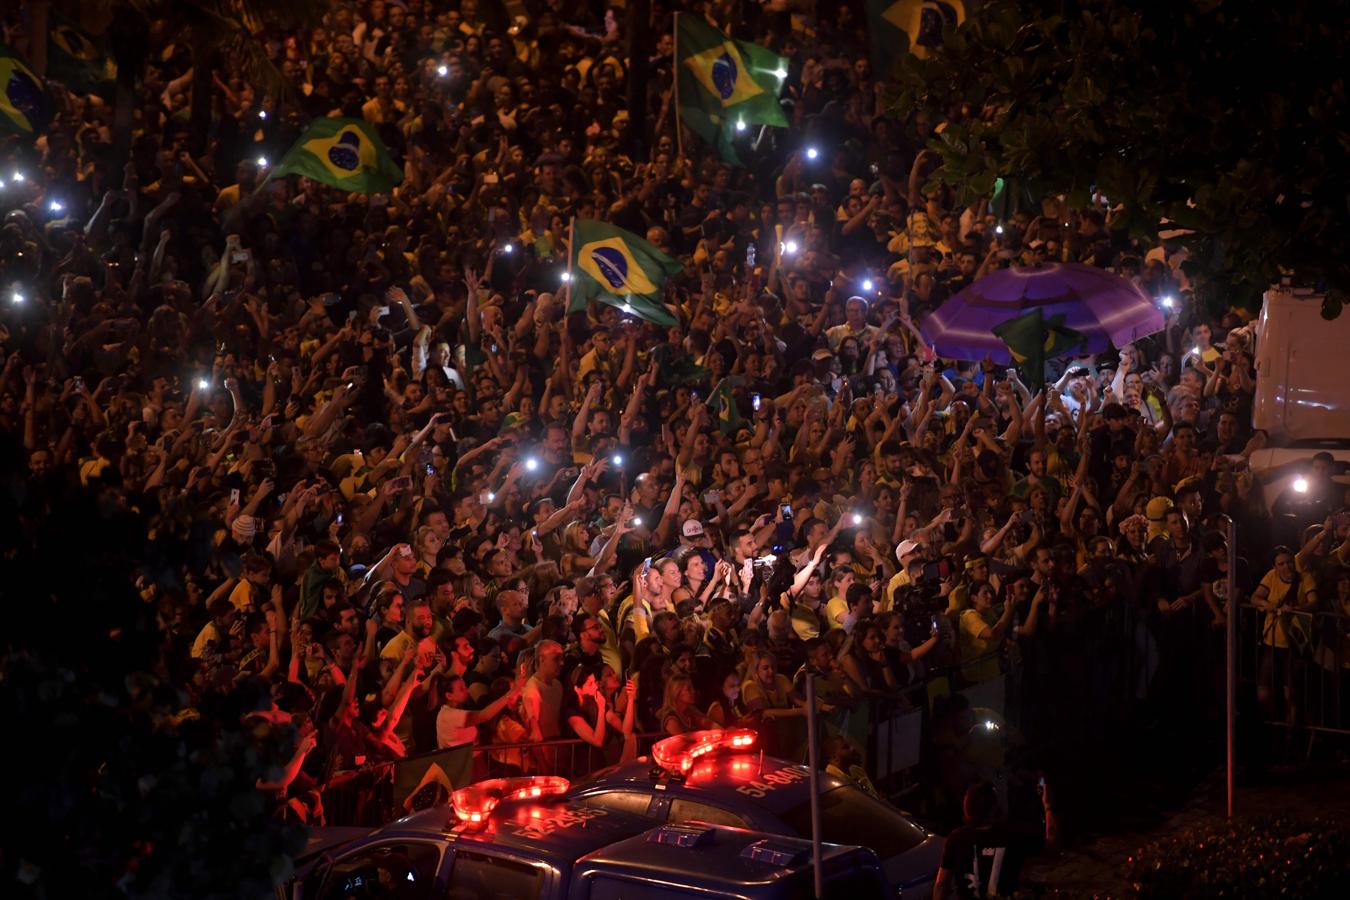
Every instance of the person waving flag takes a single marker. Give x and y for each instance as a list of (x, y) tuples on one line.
[(343, 153), (619, 268), (723, 86)]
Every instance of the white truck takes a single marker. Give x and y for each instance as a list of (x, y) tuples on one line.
[(1302, 389)]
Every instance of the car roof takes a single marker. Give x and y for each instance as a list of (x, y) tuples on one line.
[(712, 857), (732, 779), (553, 830)]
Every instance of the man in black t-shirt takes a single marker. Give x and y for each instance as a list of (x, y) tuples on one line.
[(984, 858)]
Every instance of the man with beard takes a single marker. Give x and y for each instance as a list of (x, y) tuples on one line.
[(417, 627)]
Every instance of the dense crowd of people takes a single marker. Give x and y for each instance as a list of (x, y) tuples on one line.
[(381, 470)]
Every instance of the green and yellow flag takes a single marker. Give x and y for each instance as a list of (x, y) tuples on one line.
[(78, 60), (344, 153), (722, 401), (725, 85), (1032, 340), (916, 26), (25, 106), (619, 268)]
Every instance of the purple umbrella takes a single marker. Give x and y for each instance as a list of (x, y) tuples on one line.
[(1109, 309)]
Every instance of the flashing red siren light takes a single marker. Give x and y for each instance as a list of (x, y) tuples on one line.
[(677, 754), (475, 803)]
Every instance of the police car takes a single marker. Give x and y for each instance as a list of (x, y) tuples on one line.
[(521, 839), (716, 777)]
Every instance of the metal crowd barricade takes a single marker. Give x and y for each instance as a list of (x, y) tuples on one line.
[(1303, 687), (1074, 683), (1077, 683)]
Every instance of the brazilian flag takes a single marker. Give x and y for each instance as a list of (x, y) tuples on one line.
[(25, 106), (78, 60), (722, 401), (1032, 339), (913, 25), (619, 268), (724, 85), (344, 153)]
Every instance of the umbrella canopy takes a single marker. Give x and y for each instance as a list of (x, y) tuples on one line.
[(1107, 308)]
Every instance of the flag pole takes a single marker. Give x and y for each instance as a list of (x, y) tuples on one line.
[(759, 137), (675, 92)]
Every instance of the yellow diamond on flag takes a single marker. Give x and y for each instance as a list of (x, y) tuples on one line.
[(723, 73), (905, 15), (346, 153), (21, 96), (611, 264)]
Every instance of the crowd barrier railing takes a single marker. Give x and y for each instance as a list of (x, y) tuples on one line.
[(1076, 683), (1304, 685)]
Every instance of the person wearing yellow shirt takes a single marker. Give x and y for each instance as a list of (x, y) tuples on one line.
[(247, 594), (1282, 593), (836, 608), (906, 553), (981, 632)]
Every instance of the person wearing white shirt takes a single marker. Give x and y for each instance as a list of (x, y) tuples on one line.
[(457, 726)]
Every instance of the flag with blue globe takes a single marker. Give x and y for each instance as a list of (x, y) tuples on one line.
[(619, 268), (725, 85), (344, 153), (25, 106)]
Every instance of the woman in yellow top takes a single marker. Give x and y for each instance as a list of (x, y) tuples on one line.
[(836, 608), (1283, 591), (981, 633), (768, 694), (426, 544)]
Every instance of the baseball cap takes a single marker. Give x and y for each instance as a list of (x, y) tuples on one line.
[(692, 528), (905, 549), (1157, 508), (821, 355)]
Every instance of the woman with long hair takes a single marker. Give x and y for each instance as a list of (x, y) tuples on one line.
[(620, 715), (426, 545), (865, 664), (679, 714), (694, 576), (727, 708), (576, 545)]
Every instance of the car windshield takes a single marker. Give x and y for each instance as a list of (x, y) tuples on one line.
[(889, 833)]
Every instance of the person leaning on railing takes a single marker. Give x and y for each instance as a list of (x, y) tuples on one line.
[(1282, 593)]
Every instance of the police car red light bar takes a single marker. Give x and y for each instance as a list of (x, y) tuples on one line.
[(677, 754), (474, 803)]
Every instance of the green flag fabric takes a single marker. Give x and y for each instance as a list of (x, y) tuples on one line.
[(1032, 339), (897, 26), (344, 153), (25, 107), (78, 60), (724, 85), (619, 268), (722, 401), (1061, 340)]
